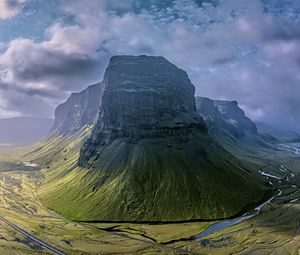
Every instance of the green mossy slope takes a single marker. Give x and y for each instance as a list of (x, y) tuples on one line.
[(148, 181)]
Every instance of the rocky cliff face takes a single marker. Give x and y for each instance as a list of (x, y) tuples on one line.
[(227, 116), (144, 97), (149, 157), (79, 110)]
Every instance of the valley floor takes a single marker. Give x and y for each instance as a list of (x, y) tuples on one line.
[(27, 227)]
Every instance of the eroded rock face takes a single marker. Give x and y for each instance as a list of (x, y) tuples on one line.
[(79, 110), (144, 97), (227, 115)]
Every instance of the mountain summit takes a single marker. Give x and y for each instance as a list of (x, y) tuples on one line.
[(144, 98), (149, 156)]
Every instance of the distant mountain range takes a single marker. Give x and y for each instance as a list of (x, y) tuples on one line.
[(227, 122), (278, 134), (23, 131)]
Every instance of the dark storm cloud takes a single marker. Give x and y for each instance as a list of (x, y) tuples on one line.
[(55, 64), (59, 64), (12, 3)]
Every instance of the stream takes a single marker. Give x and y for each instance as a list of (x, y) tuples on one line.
[(228, 223)]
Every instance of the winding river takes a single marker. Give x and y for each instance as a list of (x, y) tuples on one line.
[(228, 223)]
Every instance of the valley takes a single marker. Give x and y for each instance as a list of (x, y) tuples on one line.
[(149, 127), (272, 229)]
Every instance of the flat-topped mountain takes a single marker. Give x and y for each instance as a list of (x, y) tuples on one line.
[(226, 119), (149, 157), (144, 97)]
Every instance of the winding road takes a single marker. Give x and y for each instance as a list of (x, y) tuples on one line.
[(33, 238)]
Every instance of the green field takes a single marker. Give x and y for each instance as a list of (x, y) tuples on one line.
[(24, 194)]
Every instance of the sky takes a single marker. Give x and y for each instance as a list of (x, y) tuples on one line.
[(246, 50)]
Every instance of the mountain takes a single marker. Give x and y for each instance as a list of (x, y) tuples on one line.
[(148, 156), (279, 134), (269, 138), (79, 110), (227, 122), (23, 131)]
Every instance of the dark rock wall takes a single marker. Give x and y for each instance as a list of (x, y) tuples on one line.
[(144, 97), (79, 110)]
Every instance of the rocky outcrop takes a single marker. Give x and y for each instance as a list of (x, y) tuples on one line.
[(79, 110)]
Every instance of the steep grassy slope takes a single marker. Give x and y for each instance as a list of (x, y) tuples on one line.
[(152, 183)]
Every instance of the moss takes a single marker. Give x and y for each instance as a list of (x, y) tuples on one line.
[(147, 182)]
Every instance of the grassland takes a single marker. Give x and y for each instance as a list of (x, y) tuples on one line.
[(274, 231), (143, 182), (20, 205)]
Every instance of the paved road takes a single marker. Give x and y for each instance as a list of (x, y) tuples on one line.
[(32, 238)]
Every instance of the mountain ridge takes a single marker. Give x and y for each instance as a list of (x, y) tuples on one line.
[(228, 123), (79, 110)]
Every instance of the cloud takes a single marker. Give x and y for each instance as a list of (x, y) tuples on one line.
[(48, 71), (10, 8), (61, 63), (15, 104), (286, 52), (268, 92), (5, 111), (238, 50)]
